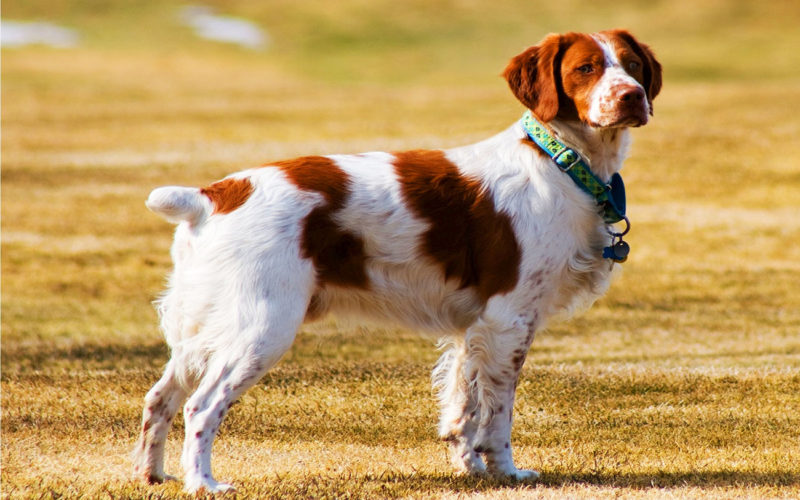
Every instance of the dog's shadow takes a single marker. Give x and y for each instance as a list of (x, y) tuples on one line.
[(394, 484), (444, 482)]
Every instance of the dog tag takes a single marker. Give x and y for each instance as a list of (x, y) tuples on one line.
[(621, 250), (618, 252)]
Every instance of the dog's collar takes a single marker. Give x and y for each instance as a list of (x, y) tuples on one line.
[(609, 197)]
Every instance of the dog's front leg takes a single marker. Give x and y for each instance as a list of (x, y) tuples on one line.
[(496, 354), (493, 437), (459, 407)]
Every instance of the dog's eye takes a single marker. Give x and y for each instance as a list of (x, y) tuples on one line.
[(633, 65), (586, 69)]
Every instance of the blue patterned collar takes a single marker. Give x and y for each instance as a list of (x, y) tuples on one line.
[(610, 197)]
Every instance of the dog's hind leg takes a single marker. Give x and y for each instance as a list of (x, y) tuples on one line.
[(233, 367), (161, 404)]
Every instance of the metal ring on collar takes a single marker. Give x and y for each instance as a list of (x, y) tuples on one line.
[(623, 233)]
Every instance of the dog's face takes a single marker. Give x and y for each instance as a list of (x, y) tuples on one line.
[(605, 79)]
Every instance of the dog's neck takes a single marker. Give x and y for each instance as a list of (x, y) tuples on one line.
[(604, 150)]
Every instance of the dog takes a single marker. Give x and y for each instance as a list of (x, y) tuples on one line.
[(477, 245)]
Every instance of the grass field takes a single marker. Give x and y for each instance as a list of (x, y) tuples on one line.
[(683, 382)]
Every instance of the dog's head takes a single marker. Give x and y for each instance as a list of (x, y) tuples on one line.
[(606, 79)]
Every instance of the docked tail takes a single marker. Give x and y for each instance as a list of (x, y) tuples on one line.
[(179, 204)]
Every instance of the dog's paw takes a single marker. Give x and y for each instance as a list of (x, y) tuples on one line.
[(511, 472), (151, 477), (209, 486), (471, 465), (465, 460), (161, 478), (525, 475), (223, 488)]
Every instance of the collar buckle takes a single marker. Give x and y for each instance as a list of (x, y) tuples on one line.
[(569, 155)]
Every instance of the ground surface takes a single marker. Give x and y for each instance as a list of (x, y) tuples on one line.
[(684, 381)]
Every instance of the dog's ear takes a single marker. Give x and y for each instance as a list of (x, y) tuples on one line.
[(650, 66), (532, 77)]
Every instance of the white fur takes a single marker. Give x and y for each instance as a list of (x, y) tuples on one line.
[(178, 204), (241, 288), (612, 84)]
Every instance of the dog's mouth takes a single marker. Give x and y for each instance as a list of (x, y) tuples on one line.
[(624, 120), (633, 121)]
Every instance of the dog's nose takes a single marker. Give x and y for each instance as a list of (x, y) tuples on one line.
[(634, 95)]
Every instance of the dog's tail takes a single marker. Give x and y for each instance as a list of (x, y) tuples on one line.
[(178, 204)]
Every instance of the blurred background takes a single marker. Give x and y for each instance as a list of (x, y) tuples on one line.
[(141, 73)]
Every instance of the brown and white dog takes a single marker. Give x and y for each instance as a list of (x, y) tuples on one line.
[(478, 245)]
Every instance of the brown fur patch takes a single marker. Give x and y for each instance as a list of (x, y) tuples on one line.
[(228, 194), (473, 242), (338, 255), (532, 79), (579, 50), (651, 77), (546, 78)]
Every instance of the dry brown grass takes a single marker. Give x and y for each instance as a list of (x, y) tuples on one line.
[(682, 383)]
